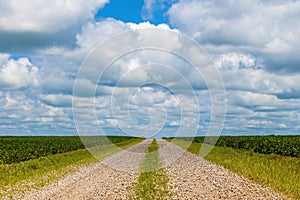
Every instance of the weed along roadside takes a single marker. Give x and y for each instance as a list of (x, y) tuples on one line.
[(153, 181), (152, 169), (280, 173), (25, 176)]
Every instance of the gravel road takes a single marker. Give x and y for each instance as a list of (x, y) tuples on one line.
[(192, 177), (109, 179)]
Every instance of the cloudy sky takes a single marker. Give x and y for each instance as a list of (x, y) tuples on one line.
[(253, 45)]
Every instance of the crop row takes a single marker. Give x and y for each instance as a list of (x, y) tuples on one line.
[(281, 145), (18, 149)]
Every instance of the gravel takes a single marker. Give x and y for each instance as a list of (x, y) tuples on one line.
[(190, 177), (193, 177), (110, 179)]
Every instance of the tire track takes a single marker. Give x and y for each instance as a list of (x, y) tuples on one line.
[(111, 178), (193, 177)]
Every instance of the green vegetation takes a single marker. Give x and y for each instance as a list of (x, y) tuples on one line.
[(18, 149), (153, 181), (280, 173), (19, 177), (281, 145)]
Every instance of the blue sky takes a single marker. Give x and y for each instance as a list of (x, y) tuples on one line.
[(127, 11), (136, 11), (253, 45)]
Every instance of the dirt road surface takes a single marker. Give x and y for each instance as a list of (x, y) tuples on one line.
[(109, 179), (190, 177)]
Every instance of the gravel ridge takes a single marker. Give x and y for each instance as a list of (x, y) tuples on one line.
[(111, 178), (190, 177), (193, 177)]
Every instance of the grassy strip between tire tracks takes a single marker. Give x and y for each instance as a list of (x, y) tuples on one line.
[(280, 173), (153, 181), (24, 176)]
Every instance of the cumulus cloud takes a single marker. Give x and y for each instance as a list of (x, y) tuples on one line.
[(31, 25), (245, 72), (135, 69), (148, 9), (140, 66), (57, 100), (17, 74), (256, 96), (152, 8), (94, 33), (236, 61), (253, 99), (21, 114), (45, 16), (3, 58), (148, 96), (266, 29), (258, 113)]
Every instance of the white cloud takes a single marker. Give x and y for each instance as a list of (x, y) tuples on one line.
[(277, 46), (149, 107), (93, 33), (54, 50), (57, 100), (253, 99), (246, 22), (282, 125), (10, 102), (19, 104), (114, 122), (45, 16), (168, 40), (248, 74), (175, 123), (45, 119), (147, 96), (235, 61), (3, 58), (241, 71), (171, 102), (266, 29), (22, 114), (150, 8), (17, 74), (144, 25)]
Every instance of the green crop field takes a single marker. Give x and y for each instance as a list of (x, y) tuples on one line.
[(240, 155), (18, 149), (281, 145), (50, 158)]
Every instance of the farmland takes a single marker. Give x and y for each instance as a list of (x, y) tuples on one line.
[(186, 177), (18, 149), (280, 173), (19, 177), (281, 145), (277, 172)]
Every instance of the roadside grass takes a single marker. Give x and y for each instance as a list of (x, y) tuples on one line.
[(280, 173), (20, 177), (153, 181)]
